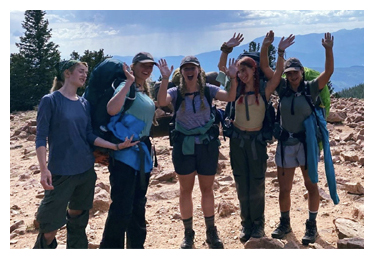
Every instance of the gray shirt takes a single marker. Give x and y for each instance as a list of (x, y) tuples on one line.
[(67, 126), (294, 122), (186, 116)]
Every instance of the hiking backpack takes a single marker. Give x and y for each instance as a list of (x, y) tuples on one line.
[(103, 81), (324, 95), (269, 119)]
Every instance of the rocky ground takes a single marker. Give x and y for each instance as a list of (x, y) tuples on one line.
[(339, 225)]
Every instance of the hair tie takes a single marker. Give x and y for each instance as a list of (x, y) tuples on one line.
[(63, 65)]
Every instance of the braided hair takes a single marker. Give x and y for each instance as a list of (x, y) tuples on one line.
[(201, 81)]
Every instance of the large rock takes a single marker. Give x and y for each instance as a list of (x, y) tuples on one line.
[(351, 243), (348, 228), (263, 243)]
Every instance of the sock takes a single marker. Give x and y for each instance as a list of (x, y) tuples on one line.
[(313, 215), (187, 223), (285, 214), (209, 221)]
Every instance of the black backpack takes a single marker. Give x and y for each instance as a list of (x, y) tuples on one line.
[(103, 81), (269, 120)]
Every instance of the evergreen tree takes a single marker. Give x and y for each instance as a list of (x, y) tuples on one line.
[(32, 69), (255, 47)]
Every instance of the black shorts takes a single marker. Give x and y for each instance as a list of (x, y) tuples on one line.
[(204, 161)]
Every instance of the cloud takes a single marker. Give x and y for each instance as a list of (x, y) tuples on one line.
[(177, 32)]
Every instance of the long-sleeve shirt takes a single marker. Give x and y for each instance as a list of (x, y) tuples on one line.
[(66, 124)]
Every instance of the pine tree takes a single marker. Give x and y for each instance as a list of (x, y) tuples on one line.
[(32, 69), (255, 47)]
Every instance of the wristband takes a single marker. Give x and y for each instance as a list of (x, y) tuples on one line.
[(117, 146), (226, 49)]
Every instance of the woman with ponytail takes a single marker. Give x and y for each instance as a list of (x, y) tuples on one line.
[(69, 177)]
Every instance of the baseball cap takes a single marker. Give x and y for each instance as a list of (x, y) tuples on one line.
[(292, 64), (190, 60), (143, 57)]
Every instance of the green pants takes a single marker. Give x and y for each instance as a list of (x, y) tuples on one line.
[(248, 161), (75, 192)]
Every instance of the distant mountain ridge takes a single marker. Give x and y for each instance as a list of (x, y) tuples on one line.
[(348, 56)]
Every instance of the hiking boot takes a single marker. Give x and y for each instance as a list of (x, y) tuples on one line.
[(310, 232), (283, 228), (41, 243), (188, 240), (245, 234), (212, 238), (258, 230)]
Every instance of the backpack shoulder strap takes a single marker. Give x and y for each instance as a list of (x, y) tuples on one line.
[(130, 99), (177, 104), (207, 96)]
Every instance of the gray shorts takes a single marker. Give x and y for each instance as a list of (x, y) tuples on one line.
[(293, 156), (75, 192)]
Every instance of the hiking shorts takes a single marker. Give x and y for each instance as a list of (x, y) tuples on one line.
[(204, 161), (75, 192), (294, 156)]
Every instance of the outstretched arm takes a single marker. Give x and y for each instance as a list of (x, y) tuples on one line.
[(227, 48), (275, 79), (163, 98), (324, 77), (231, 72), (106, 144), (264, 59)]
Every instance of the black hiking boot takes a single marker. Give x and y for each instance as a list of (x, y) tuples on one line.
[(283, 228), (188, 240), (245, 234), (212, 238), (258, 230), (41, 243), (310, 232)]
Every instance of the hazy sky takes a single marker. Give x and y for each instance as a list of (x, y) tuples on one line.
[(178, 32)]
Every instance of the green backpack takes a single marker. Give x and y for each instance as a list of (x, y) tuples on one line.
[(311, 74)]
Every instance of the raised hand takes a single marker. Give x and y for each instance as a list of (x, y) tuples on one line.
[(328, 41), (285, 43), (268, 40), (235, 40), (128, 73), (164, 69), (232, 70)]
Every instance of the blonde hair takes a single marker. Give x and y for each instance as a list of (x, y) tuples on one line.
[(178, 79), (59, 80), (146, 85)]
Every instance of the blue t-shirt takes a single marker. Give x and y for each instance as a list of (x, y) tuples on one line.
[(67, 126), (141, 112)]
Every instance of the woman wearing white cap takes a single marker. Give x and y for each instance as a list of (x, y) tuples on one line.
[(195, 148), (294, 109)]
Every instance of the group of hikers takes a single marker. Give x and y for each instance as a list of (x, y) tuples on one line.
[(68, 175)]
